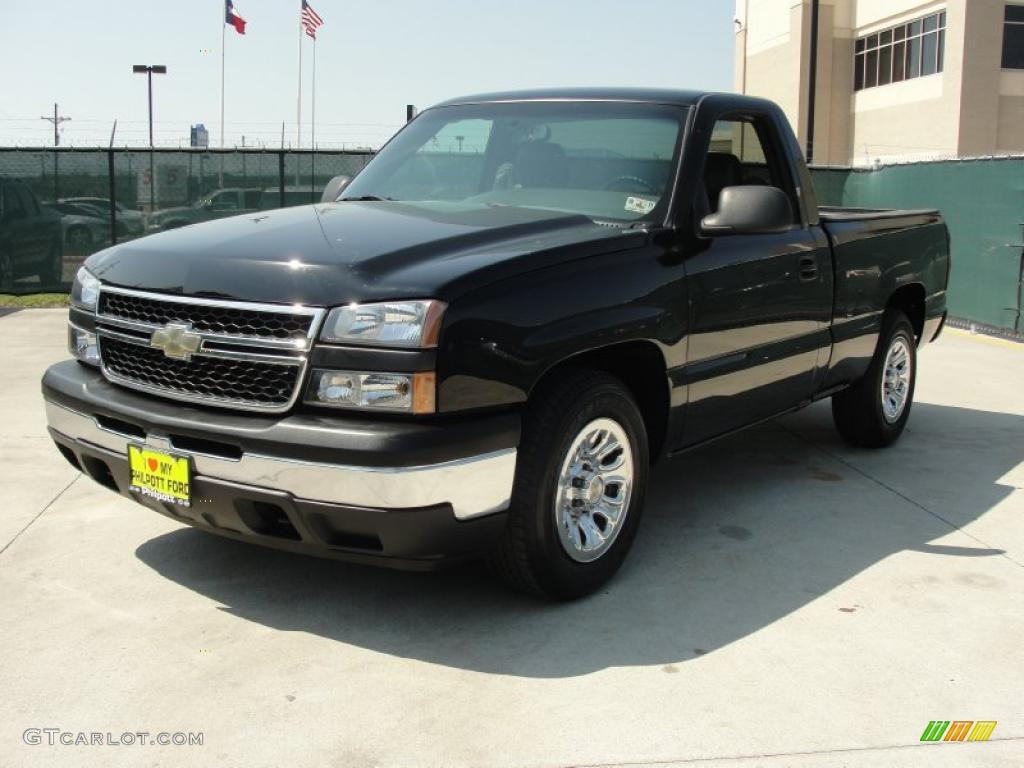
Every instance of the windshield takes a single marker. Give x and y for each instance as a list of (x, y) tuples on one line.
[(606, 160)]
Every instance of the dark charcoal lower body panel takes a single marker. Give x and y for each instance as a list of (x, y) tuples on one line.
[(409, 539)]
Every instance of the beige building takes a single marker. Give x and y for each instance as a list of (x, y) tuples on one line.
[(896, 80)]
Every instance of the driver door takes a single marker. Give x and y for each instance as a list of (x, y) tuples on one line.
[(759, 304)]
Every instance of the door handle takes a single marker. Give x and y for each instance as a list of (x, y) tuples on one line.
[(808, 269)]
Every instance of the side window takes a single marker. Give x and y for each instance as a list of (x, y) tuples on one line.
[(740, 154)]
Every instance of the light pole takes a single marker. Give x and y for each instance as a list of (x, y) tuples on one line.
[(149, 70)]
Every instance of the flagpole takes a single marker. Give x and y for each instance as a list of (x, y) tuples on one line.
[(223, 39), (298, 100), (223, 47), (312, 116)]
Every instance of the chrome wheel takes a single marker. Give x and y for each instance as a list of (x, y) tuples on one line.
[(594, 488), (896, 380)]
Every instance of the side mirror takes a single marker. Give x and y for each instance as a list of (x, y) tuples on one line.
[(750, 210), (334, 188)]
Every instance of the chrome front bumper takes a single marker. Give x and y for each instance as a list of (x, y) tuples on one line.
[(474, 486)]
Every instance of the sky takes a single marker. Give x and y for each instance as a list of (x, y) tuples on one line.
[(373, 58)]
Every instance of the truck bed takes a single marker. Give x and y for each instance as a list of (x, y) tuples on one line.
[(875, 253)]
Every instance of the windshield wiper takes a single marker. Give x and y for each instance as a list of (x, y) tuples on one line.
[(366, 199)]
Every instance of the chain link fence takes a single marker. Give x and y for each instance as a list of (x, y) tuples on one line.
[(58, 206)]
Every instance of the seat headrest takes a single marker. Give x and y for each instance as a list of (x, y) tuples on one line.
[(541, 164)]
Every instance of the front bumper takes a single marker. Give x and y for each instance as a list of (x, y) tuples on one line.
[(400, 493)]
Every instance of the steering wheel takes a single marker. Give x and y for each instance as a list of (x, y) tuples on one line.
[(630, 183)]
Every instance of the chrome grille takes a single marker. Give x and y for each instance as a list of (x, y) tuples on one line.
[(213, 318), (212, 378), (251, 356)]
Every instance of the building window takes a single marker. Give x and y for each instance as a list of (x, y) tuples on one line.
[(914, 49), (1013, 37)]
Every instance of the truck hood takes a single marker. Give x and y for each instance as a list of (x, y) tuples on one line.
[(335, 253)]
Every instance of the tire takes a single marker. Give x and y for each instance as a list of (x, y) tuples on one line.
[(865, 417), (551, 523)]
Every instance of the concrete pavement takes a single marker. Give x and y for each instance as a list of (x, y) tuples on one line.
[(789, 602)]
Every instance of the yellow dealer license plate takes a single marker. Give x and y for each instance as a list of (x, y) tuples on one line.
[(160, 475)]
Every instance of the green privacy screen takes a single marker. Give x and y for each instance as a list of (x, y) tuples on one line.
[(59, 206), (983, 203)]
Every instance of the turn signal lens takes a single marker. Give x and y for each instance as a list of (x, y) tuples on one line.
[(409, 392), (82, 344)]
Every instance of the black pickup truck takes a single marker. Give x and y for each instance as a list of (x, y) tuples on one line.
[(481, 346)]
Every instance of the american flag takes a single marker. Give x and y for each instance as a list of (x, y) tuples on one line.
[(311, 20)]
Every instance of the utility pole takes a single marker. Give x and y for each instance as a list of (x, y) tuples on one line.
[(57, 119)]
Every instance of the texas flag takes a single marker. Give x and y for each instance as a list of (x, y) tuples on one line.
[(232, 18)]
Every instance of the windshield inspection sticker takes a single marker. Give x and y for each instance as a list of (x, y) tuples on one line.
[(639, 205)]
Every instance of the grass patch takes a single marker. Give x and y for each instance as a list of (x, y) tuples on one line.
[(33, 300)]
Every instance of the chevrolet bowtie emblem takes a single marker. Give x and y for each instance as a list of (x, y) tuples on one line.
[(177, 340)]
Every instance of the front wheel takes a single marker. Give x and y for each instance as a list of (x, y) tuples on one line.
[(581, 478), (874, 411)]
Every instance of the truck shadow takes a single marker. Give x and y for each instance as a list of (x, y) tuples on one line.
[(736, 536)]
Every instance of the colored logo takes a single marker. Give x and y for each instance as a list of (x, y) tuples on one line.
[(958, 730)]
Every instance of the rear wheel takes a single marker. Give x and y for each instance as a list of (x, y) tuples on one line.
[(874, 412), (581, 478)]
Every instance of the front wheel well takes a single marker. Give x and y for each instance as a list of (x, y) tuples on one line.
[(639, 365)]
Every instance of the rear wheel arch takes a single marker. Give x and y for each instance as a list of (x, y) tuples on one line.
[(910, 300), (640, 365)]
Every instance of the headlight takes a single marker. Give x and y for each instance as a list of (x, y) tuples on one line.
[(387, 324), (82, 344), (85, 290), (408, 392)]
